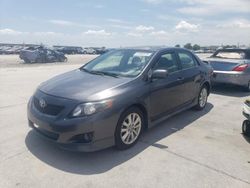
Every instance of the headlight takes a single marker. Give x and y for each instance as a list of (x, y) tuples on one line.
[(87, 109)]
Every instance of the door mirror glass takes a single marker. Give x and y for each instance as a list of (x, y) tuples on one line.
[(159, 74)]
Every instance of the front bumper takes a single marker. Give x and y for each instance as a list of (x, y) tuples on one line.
[(64, 131), (230, 77)]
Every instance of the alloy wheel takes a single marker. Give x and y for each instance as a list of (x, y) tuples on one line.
[(203, 97), (131, 128)]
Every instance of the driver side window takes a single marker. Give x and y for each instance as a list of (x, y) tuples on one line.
[(168, 62)]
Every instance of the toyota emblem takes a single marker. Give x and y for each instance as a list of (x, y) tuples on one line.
[(42, 103)]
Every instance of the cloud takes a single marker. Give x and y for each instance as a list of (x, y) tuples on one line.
[(8, 31), (97, 33), (47, 33), (142, 28), (134, 34), (185, 26), (241, 24), (205, 8), (140, 31), (155, 2), (115, 20), (212, 7), (160, 33), (12, 32), (64, 23), (120, 26)]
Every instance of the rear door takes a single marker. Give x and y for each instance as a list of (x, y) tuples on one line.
[(190, 74)]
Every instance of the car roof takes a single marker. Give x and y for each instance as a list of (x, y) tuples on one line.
[(244, 50), (153, 48), (234, 50)]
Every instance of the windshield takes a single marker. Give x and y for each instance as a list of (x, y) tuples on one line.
[(126, 62)]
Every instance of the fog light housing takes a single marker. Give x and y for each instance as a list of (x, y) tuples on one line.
[(82, 138)]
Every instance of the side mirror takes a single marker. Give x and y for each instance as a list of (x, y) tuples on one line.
[(159, 74), (207, 62)]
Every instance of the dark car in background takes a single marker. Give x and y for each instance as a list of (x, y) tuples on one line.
[(69, 49), (4, 49), (231, 66), (41, 55), (113, 98), (101, 50)]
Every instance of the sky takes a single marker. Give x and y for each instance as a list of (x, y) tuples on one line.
[(117, 23)]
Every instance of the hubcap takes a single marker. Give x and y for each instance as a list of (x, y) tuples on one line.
[(131, 128), (203, 97)]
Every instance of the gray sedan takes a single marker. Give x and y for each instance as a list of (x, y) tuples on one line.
[(231, 66), (113, 98)]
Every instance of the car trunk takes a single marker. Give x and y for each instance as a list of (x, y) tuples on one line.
[(225, 64)]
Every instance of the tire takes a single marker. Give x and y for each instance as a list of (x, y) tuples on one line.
[(202, 98), (26, 60), (133, 130), (40, 60), (246, 128), (247, 88)]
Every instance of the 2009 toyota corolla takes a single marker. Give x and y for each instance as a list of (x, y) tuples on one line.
[(113, 98)]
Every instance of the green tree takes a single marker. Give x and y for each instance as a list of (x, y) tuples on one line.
[(196, 47), (188, 46), (177, 46)]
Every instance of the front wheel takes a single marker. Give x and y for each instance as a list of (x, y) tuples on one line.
[(246, 127), (202, 98), (129, 128)]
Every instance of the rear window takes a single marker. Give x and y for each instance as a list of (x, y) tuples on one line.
[(230, 55)]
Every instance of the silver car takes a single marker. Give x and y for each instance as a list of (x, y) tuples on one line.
[(231, 66)]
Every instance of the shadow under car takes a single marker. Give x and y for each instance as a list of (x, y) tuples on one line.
[(102, 161)]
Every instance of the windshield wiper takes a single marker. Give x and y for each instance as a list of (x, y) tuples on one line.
[(100, 73), (106, 73)]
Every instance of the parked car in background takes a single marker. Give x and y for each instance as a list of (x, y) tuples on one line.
[(69, 49), (231, 66), (89, 51), (42, 55), (113, 98), (4, 49), (246, 123), (101, 50), (14, 50)]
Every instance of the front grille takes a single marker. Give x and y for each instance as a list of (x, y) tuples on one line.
[(49, 109)]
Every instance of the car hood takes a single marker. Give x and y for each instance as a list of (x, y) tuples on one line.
[(83, 86)]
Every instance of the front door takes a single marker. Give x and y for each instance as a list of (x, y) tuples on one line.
[(166, 94)]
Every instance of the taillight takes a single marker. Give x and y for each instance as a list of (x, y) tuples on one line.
[(240, 68)]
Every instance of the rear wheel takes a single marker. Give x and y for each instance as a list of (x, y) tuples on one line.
[(26, 60), (202, 98), (129, 128), (246, 127)]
